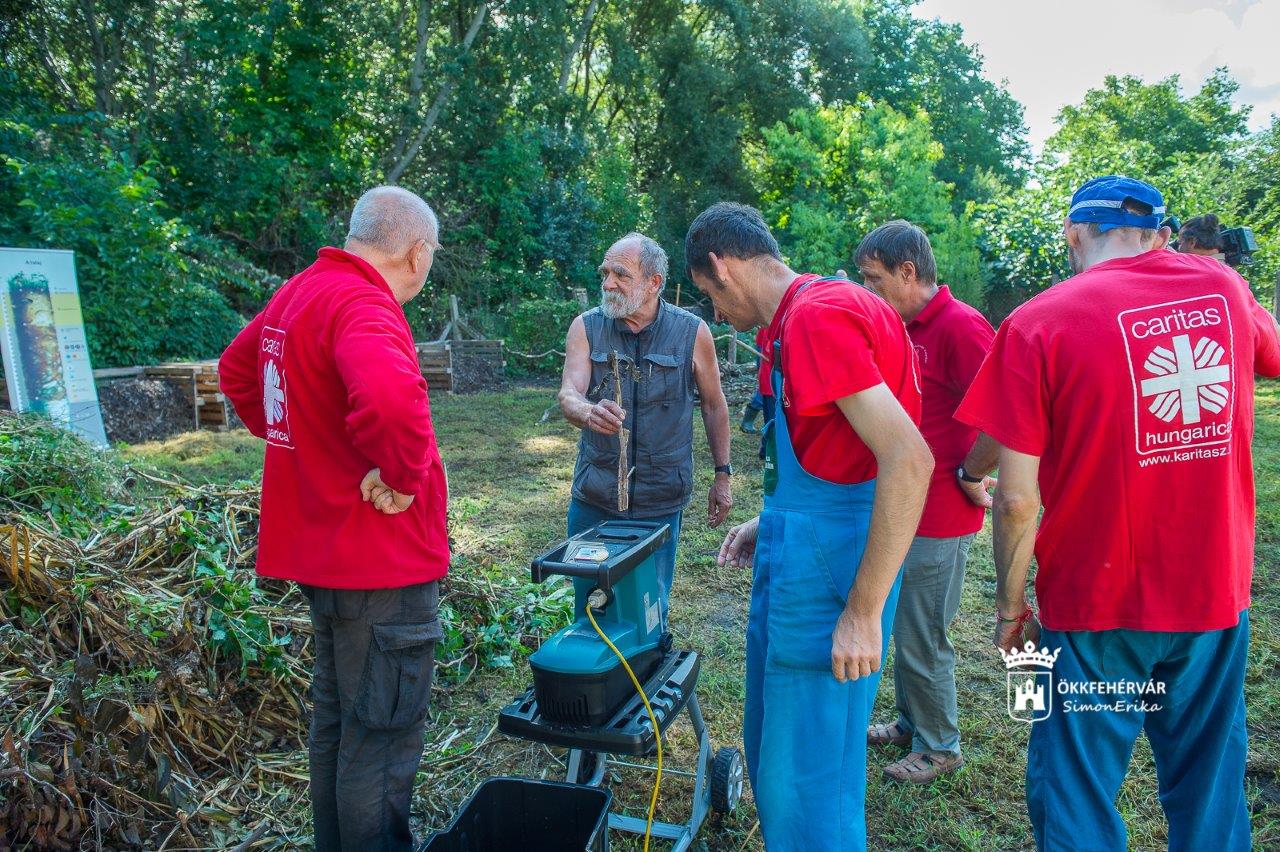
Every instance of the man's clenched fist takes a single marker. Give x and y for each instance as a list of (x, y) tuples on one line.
[(384, 498)]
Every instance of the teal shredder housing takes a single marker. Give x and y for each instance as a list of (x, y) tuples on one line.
[(577, 679)]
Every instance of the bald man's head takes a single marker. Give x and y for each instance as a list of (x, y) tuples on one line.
[(391, 219), (397, 232)]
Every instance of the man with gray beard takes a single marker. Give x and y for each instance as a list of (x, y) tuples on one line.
[(663, 353)]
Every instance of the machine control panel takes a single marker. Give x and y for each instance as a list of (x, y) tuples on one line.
[(589, 552)]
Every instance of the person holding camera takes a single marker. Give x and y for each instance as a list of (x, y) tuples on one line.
[(1205, 236)]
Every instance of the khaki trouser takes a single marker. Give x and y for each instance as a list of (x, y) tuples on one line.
[(924, 661)]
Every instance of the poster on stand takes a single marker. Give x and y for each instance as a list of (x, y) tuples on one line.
[(42, 340)]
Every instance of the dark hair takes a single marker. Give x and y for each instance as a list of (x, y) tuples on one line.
[(1201, 232), (896, 242), (729, 230)]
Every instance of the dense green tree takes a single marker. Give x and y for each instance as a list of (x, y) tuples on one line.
[(828, 176)]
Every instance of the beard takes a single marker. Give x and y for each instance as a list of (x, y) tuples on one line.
[(1077, 265), (617, 306)]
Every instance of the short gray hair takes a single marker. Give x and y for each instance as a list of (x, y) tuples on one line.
[(391, 219), (653, 260)]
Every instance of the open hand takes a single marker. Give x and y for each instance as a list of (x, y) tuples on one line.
[(739, 546)]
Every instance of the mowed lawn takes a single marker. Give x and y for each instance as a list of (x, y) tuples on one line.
[(510, 477)]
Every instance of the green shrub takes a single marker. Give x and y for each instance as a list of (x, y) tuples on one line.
[(538, 326), (47, 470), (151, 289)]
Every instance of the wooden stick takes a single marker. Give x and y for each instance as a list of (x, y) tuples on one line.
[(624, 439)]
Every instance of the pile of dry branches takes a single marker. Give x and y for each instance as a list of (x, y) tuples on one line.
[(152, 688), (120, 717)]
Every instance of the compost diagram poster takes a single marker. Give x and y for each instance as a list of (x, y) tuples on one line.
[(42, 339)]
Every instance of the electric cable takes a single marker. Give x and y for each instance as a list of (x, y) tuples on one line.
[(657, 782)]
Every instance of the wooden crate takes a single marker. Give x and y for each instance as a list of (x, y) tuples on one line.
[(435, 360), (200, 380)]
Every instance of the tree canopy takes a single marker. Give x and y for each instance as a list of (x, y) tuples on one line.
[(196, 152)]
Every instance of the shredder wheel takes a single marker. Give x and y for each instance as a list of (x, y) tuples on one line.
[(726, 780)]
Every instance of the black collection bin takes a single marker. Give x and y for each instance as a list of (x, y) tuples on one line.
[(524, 815)]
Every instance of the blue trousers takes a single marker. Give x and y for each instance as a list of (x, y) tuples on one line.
[(1077, 757), (583, 516), (804, 732)]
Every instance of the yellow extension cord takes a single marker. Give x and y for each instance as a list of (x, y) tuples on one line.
[(657, 781)]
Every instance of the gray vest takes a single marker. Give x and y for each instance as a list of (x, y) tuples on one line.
[(656, 367)]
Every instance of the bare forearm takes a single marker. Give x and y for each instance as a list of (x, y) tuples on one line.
[(575, 407), (715, 418), (900, 492), (983, 456), (1013, 542)]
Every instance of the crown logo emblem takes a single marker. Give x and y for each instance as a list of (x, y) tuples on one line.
[(1029, 656)]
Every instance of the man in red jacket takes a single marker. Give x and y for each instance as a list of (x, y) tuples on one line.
[(353, 506)]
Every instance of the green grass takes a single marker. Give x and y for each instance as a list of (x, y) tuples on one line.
[(201, 457), (510, 478)]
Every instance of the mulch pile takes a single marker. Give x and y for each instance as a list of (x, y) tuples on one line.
[(152, 689), (140, 410)]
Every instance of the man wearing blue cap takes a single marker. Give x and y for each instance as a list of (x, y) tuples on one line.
[(1122, 399)]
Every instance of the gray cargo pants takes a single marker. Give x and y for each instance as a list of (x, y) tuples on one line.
[(924, 660), (374, 662)]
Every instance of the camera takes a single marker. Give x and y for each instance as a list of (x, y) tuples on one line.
[(1238, 245)]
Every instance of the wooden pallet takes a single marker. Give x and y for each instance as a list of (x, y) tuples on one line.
[(200, 381), (435, 360)]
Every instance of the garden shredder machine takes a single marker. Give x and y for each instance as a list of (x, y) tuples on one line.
[(583, 697)]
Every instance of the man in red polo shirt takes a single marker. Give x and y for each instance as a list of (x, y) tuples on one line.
[(846, 472), (1122, 399), (951, 339), (353, 506)]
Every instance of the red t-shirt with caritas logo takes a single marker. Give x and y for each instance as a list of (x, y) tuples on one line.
[(1133, 383), (329, 376), (951, 340), (838, 339)]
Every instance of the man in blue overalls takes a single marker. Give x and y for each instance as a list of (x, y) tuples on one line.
[(845, 479)]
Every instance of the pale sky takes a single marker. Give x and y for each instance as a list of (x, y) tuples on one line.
[(1051, 53)]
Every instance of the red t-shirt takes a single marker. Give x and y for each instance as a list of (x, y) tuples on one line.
[(1133, 383), (951, 340), (328, 375), (838, 339)]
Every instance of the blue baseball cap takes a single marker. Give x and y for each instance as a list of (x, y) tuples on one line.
[(1102, 199)]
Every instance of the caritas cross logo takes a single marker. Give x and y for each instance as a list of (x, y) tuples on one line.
[(1181, 364), (275, 398)]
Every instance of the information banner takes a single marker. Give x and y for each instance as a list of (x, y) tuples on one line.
[(42, 339)]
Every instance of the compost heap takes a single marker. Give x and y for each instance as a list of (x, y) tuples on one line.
[(151, 687)]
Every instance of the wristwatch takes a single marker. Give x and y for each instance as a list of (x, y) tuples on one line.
[(965, 477), (726, 469)]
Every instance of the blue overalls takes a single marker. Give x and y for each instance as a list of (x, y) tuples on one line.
[(805, 733)]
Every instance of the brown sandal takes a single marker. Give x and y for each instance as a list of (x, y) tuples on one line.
[(918, 768), (887, 735)]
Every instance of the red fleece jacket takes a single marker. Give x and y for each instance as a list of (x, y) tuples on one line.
[(328, 375)]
